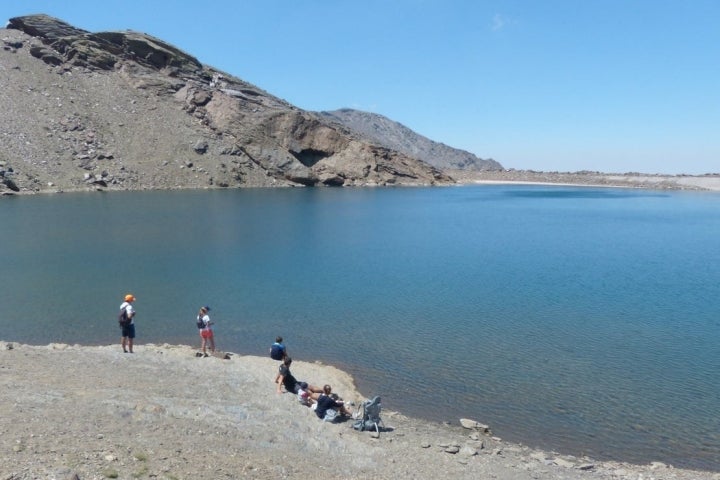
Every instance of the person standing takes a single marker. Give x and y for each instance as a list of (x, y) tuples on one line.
[(206, 333), (128, 329)]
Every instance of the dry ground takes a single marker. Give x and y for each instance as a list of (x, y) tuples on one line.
[(71, 412)]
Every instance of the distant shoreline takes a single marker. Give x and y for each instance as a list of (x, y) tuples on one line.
[(699, 183), (709, 182)]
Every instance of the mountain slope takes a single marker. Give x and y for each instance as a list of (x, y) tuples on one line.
[(395, 136), (125, 110)]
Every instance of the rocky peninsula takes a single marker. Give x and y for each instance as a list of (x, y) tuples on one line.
[(92, 412)]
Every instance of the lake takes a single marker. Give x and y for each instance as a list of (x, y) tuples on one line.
[(581, 320)]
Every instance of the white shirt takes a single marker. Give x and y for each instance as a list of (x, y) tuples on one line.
[(206, 320), (130, 311)]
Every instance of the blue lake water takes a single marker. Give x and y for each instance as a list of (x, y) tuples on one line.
[(582, 320)]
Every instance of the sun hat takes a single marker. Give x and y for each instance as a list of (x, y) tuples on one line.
[(129, 298)]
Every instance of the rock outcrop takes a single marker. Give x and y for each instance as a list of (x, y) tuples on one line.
[(125, 110)]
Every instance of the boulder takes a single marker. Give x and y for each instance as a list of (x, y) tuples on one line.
[(474, 425)]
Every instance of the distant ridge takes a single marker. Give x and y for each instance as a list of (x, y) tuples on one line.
[(379, 129)]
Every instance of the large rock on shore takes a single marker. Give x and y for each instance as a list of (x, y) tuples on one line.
[(135, 112)]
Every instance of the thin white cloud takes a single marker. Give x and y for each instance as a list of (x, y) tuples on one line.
[(498, 22)]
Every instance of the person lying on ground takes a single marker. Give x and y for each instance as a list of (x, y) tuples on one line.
[(285, 378)]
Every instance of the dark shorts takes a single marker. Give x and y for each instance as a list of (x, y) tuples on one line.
[(129, 331)]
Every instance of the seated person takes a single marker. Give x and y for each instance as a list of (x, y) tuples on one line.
[(328, 400), (304, 396), (278, 351), (284, 377)]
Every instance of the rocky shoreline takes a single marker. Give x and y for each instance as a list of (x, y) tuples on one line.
[(92, 412), (709, 182)]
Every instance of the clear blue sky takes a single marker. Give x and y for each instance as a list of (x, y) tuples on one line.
[(608, 85)]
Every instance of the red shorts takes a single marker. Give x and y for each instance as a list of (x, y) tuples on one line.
[(206, 333)]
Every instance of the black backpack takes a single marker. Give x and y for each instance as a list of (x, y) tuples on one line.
[(200, 324), (123, 318)]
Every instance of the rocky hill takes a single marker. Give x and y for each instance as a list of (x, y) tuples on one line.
[(395, 136), (125, 110)]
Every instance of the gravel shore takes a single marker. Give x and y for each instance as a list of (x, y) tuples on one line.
[(81, 412), (708, 182)]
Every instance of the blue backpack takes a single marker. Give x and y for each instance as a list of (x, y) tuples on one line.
[(277, 351)]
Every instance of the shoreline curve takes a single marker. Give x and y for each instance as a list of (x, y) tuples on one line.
[(71, 411)]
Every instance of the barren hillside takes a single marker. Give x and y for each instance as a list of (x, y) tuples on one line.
[(124, 110)]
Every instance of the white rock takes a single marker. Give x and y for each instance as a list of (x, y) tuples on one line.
[(467, 423), (563, 463), (469, 451)]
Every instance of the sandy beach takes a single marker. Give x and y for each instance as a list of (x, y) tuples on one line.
[(93, 412)]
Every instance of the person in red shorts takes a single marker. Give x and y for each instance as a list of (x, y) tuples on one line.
[(206, 332)]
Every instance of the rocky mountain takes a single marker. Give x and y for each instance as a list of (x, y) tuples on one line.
[(125, 110), (393, 135)]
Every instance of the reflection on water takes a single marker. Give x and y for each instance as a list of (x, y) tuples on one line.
[(584, 320)]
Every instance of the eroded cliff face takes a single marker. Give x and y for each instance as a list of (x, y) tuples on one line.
[(124, 110)]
